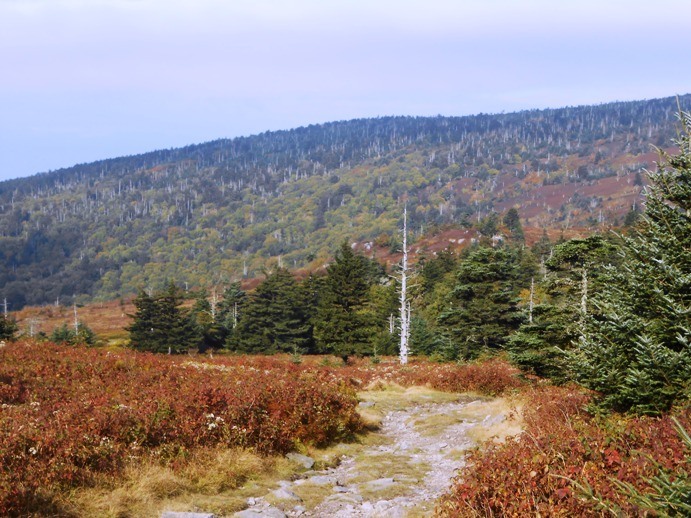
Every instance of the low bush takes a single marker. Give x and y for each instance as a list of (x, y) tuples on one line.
[(564, 453), (71, 415)]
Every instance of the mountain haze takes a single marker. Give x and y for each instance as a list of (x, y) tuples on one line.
[(214, 212)]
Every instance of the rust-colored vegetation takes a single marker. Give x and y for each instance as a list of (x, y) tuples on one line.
[(564, 450)]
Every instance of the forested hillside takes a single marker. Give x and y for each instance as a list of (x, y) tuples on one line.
[(213, 213)]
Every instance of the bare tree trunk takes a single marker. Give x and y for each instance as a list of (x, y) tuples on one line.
[(584, 291), (405, 306), (76, 320)]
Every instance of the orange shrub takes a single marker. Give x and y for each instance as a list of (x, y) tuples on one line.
[(530, 475), (69, 414)]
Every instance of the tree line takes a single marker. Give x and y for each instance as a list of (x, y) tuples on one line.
[(101, 230), (611, 311)]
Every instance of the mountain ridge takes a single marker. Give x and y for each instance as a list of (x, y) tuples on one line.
[(212, 212)]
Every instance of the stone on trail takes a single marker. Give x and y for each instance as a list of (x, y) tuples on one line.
[(268, 512), (175, 514), (321, 480), (380, 484), (303, 460), (283, 493)]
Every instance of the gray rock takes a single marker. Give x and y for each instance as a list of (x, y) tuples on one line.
[(283, 493), (366, 404), (390, 511), (345, 498), (321, 480), (343, 489), (380, 484), (303, 460), (268, 512), (175, 514)]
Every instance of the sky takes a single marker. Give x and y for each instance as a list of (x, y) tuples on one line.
[(83, 80)]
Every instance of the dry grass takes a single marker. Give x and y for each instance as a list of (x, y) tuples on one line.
[(490, 427), (220, 480), (217, 481)]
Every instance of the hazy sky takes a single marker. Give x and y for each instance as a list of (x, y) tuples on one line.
[(82, 80)]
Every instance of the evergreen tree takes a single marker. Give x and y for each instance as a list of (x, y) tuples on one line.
[(160, 324), (8, 328), (67, 335), (637, 351), (342, 325), (274, 319), (542, 247), (482, 309), (229, 311), (381, 309), (512, 220), (144, 323), (433, 270), (559, 302), (207, 327)]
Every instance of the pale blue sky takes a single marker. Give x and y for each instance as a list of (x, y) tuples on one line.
[(82, 80)]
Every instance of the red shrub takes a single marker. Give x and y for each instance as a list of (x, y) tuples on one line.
[(70, 413), (531, 475)]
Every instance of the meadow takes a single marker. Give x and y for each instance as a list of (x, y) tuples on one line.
[(73, 418), (90, 430)]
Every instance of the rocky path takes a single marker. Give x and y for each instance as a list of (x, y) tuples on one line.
[(402, 469)]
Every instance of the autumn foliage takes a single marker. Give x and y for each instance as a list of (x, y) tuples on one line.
[(70, 416), (534, 474)]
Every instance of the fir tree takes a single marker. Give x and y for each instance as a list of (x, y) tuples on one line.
[(160, 324), (342, 324), (637, 352), (274, 319), (8, 328), (512, 220), (206, 325), (482, 309), (144, 323), (66, 335), (560, 300), (229, 311)]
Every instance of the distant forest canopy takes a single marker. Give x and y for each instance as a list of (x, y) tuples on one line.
[(213, 213)]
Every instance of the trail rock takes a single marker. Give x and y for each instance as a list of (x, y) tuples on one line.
[(264, 512), (380, 484), (303, 460), (284, 493), (175, 514)]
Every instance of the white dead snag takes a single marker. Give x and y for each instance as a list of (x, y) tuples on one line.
[(532, 291), (76, 319), (405, 306), (213, 303), (584, 291)]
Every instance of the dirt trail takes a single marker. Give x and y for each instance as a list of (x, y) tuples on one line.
[(401, 469)]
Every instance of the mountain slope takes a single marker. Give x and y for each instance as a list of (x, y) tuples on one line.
[(213, 212)]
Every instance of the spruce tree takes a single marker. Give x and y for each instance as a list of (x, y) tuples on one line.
[(161, 324), (229, 311), (144, 323), (512, 220), (342, 325), (559, 303), (206, 326), (482, 309), (274, 319), (8, 328), (637, 351)]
